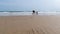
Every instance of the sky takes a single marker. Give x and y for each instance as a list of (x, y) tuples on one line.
[(28, 5)]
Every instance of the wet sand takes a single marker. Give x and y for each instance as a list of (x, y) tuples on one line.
[(30, 24)]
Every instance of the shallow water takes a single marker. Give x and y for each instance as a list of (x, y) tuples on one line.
[(27, 13)]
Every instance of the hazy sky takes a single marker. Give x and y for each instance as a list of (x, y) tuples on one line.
[(28, 5)]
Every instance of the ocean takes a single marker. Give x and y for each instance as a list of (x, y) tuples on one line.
[(17, 13)]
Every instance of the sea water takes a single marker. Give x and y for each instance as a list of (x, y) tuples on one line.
[(27, 13)]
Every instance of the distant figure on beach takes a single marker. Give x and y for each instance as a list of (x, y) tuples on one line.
[(33, 12), (36, 12)]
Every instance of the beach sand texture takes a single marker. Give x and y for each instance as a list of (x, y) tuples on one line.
[(30, 24)]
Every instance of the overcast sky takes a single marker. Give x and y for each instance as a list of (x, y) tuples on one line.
[(28, 5)]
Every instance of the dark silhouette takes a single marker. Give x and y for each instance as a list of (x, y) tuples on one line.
[(33, 11)]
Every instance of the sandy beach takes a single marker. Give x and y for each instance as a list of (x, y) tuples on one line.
[(30, 24)]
